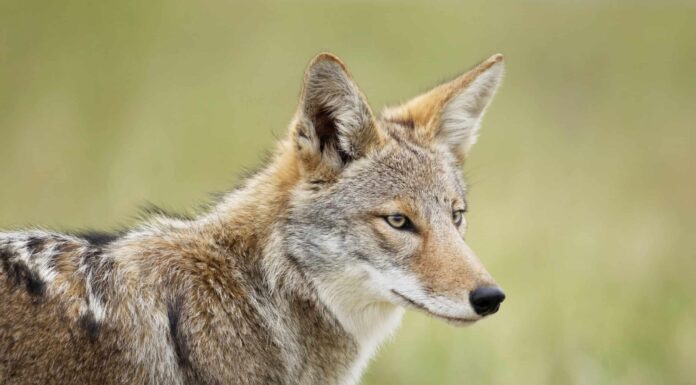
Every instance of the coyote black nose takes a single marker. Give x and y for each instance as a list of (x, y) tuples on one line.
[(486, 300)]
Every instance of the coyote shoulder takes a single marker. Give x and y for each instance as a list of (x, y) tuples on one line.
[(294, 278)]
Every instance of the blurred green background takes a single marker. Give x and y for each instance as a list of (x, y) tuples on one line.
[(582, 182)]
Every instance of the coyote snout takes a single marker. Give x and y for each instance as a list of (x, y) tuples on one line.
[(453, 284)]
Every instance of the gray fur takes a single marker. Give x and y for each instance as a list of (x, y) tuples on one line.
[(295, 278)]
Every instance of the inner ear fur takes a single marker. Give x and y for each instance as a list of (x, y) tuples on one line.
[(451, 112), (334, 123)]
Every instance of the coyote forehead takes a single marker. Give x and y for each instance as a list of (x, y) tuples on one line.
[(295, 278)]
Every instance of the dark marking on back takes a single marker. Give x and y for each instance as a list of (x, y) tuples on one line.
[(19, 273), (90, 325), (5, 254), (181, 350), (98, 238), (35, 244), (35, 285)]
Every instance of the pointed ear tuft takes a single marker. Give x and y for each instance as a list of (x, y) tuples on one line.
[(334, 121), (461, 118), (451, 113)]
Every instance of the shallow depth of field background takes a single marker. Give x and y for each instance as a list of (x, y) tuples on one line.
[(583, 181)]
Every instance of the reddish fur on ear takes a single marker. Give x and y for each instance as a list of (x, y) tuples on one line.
[(469, 95)]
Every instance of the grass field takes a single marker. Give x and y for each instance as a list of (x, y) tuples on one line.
[(583, 181)]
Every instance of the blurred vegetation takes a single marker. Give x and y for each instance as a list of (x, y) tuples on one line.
[(582, 183)]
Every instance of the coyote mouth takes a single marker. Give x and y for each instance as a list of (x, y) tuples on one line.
[(420, 306)]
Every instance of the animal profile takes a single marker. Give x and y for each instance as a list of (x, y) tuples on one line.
[(296, 277)]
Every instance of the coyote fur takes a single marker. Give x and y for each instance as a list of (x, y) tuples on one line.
[(296, 277)]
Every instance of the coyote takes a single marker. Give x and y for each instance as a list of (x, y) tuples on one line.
[(296, 277)]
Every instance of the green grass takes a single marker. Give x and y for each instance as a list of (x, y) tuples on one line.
[(582, 183)]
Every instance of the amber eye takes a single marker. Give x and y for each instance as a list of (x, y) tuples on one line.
[(398, 221), (457, 216)]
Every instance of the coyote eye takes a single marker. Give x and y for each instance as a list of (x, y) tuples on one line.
[(398, 221), (457, 216)]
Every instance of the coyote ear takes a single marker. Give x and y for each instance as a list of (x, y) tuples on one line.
[(334, 123), (451, 112)]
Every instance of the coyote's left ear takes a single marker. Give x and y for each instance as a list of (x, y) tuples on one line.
[(334, 124), (451, 113)]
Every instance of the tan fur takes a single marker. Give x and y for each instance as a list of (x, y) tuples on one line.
[(446, 271), (294, 278), (422, 110)]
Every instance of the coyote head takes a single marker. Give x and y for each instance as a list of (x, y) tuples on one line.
[(379, 210)]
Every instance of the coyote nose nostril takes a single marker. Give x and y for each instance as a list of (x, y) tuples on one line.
[(486, 300)]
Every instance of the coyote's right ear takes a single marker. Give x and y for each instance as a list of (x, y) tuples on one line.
[(334, 124)]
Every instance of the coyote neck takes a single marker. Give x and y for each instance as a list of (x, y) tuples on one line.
[(252, 210), (338, 334)]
